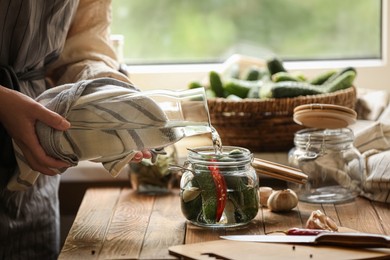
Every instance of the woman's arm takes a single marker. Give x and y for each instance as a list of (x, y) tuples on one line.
[(87, 53)]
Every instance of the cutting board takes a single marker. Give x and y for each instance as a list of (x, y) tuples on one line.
[(236, 250)]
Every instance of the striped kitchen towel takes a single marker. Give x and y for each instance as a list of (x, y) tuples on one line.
[(110, 121), (373, 142)]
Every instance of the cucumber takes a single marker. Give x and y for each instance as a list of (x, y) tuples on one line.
[(253, 74), (235, 152), (195, 84), (275, 65), (241, 88), (192, 208), (205, 182), (265, 91), (233, 97), (254, 92), (300, 76), (234, 71), (284, 76), (250, 207), (343, 81), (323, 77), (210, 93), (339, 73), (290, 89), (216, 84), (331, 81)]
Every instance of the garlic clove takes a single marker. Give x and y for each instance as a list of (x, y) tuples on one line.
[(319, 220), (331, 224), (264, 193), (282, 200)]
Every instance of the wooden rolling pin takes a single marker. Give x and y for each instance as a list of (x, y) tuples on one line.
[(279, 171)]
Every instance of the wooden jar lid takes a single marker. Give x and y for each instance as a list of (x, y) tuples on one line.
[(326, 116)]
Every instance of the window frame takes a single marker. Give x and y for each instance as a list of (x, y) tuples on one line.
[(372, 74)]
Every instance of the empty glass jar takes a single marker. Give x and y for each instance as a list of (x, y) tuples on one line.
[(333, 165), (219, 190)]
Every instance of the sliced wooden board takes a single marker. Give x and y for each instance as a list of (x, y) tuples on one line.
[(232, 250)]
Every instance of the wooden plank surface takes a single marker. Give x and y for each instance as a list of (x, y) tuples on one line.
[(85, 239), (359, 215), (383, 211), (256, 226), (166, 228), (124, 238), (195, 234), (121, 224)]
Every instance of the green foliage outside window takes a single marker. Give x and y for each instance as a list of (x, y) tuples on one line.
[(188, 31)]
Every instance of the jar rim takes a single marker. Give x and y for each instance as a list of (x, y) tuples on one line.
[(324, 135), (205, 154)]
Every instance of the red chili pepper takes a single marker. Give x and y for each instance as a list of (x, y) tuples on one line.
[(221, 189), (302, 232), (305, 232)]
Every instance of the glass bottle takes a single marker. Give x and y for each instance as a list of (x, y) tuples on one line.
[(141, 120), (186, 111), (333, 165), (219, 189)]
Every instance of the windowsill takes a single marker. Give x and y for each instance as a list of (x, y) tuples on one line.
[(372, 74), (291, 65)]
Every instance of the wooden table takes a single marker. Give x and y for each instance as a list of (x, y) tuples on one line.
[(118, 223)]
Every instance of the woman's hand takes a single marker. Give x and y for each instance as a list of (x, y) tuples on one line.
[(19, 114), (140, 155)]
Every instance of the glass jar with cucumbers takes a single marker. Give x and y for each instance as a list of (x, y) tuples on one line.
[(219, 188)]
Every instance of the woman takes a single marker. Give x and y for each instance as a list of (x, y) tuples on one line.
[(43, 44)]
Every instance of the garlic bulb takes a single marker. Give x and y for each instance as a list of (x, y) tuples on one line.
[(264, 193), (282, 200)]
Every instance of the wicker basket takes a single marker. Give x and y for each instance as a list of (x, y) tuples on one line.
[(266, 125)]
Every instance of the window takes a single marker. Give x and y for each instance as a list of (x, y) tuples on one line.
[(172, 32)]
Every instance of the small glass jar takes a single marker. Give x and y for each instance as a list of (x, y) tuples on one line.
[(334, 166), (219, 189), (154, 178)]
